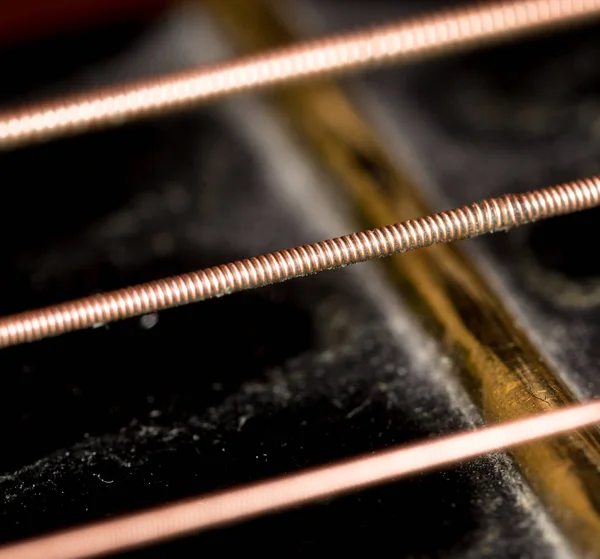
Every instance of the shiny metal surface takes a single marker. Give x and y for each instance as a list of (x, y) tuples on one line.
[(488, 216), (502, 368), (236, 505), (480, 339), (396, 42)]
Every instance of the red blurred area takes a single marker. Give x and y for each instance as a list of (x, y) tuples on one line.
[(30, 20)]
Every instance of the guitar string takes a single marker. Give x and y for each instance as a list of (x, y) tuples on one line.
[(235, 505), (404, 41), (479, 218)]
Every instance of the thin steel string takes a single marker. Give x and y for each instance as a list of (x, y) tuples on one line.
[(487, 216), (219, 509), (402, 41)]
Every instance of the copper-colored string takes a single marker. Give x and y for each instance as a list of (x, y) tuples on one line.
[(381, 45), (487, 216), (391, 43), (240, 504)]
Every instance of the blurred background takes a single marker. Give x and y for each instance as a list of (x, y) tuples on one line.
[(266, 382)]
